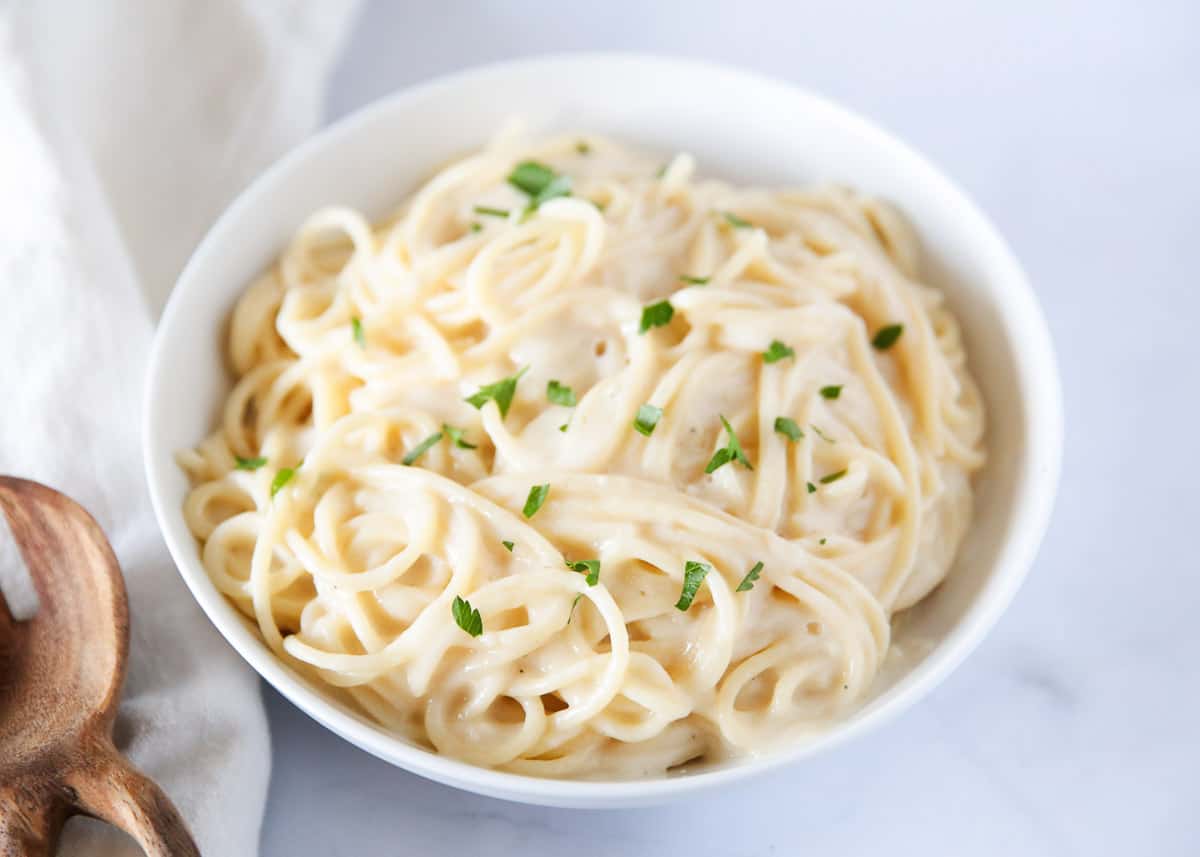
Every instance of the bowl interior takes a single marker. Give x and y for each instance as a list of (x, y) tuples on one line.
[(740, 127)]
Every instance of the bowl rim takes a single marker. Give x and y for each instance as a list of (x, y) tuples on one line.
[(1035, 486)]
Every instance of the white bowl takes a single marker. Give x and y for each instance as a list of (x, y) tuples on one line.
[(739, 126)]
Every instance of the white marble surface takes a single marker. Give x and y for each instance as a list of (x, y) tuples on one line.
[(1073, 729)]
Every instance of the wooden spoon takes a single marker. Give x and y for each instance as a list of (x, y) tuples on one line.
[(60, 681)]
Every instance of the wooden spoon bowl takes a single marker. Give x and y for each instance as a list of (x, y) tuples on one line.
[(60, 682)]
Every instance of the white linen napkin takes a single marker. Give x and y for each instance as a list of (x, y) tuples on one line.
[(127, 126)]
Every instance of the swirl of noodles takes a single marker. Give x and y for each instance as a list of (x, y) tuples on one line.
[(352, 497)]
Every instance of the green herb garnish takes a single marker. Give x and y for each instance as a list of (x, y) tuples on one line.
[(776, 352), (751, 576), (540, 182), (886, 337), (456, 437), (250, 463), (466, 617), (357, 329), (476, 227), (507, 545), (832, 391), (537, 496), (821, 434), (822, 541), (501, 392), (812, 489), (488, 211), (832, 477), (560, 394), (787, 427), (282, 477), (647, 418), (574, 604), (732, 451), (420, 449), (693, 575), (583, 148), (590, 567), (736, 222), (656, 315), (694, 281), (563, 427)]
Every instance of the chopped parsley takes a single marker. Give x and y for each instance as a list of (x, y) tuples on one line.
[(777, 351), (537, 496), (476, 227), (501, 392), (540, 182), (656, 315), (886, 337), (832, 477), (357, 329), (583, 147), (488, 211), (732, 451), (822, 541), (282, 477), (694, 281), (563, 427), (832, 391), (560, 394), (821, 434), (751, 576), (787, 427), (736, 222), (812, 489), (466, 616), (574, 604), (250, 463), (647, 418), (420, 449), (693, 575), (590, 567), (508, 546), (456, 437)]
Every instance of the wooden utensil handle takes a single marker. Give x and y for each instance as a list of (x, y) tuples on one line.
[(111, 789)]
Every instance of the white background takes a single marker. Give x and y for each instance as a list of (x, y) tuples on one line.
[(1073, 729)]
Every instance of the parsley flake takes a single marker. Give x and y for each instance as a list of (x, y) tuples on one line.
[(282, 477), (456, 437), (736, 222), (574, 604), (356, 328), (812, 489), (476, 227), (751, 576), (832, 391), (537, 496), (787, 427), (540, 182), (420, 449), (250, 463), (777, 351), (694, 281), (508, 546), (821, 434), (560, 394), (590, 567), (583, 147), (466, 616), (886, 337), (732, 451), (501, 392), (647, 418), (656, 315), (488, 211), (832, 477), (693, 575)]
